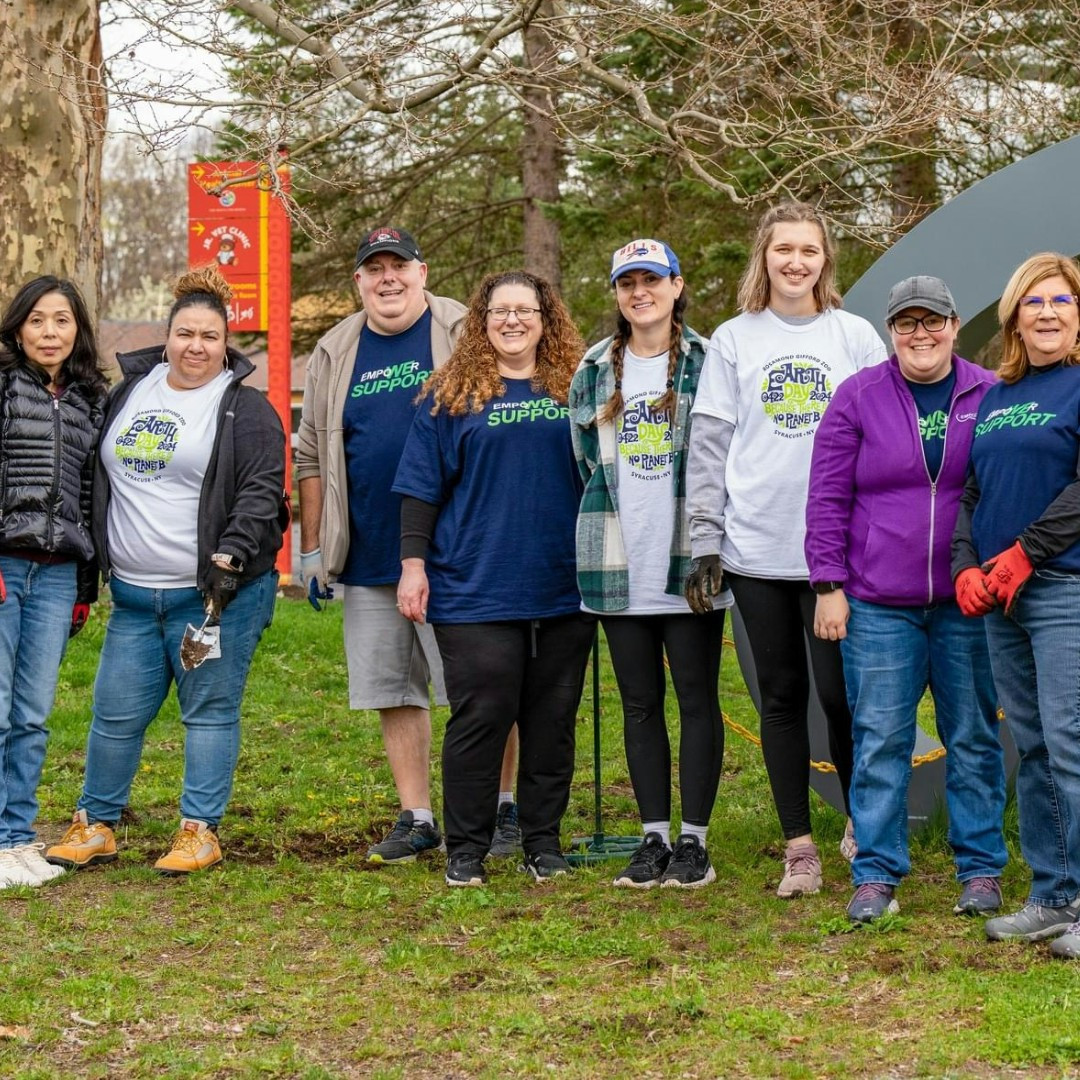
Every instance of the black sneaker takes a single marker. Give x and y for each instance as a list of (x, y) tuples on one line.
[(465, 868), (545, 865), (405, 841), (689, 867), (647, 864), (507, 838)]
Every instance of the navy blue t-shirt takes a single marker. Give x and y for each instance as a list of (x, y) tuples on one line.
[(1027, 441), (932, 400), (508, 491), (389, 372)]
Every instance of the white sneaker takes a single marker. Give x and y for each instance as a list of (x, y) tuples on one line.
[(848, 848), (31, 857), (13, 871)]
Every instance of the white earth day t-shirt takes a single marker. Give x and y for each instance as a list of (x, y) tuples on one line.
[(156, 453), (772, 380), (645, 476)]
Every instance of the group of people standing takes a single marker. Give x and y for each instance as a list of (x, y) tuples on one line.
[(485, 491)]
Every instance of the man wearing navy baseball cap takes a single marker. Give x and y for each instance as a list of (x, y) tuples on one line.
[(361, 384)]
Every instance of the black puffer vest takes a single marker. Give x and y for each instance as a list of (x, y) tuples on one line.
[(46, 465)]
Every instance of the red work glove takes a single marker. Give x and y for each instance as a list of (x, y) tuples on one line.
[(1006, 575), (79, 614), (971, 592), (3, 589)]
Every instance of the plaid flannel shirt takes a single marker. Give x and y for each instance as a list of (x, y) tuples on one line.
[(602, 574)]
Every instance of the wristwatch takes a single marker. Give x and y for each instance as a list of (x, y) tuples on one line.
[(823, 587), (227, 562)]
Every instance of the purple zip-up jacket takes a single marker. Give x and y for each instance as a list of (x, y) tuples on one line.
[(874, 519)]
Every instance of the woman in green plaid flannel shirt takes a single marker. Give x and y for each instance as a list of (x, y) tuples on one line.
[(630, 415)]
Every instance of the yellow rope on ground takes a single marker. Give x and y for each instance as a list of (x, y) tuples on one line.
[(749, 736), (826, 766)]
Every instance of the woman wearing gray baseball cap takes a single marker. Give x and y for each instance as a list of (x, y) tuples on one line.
[(887, 473)]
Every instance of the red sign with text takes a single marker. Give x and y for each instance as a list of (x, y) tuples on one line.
[(228, 223)]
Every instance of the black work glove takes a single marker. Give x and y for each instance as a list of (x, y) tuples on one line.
[(221, 588), (705, 580)]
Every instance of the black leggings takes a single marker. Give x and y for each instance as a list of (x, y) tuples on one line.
[(693, 644), (498, 674), (779, 620)]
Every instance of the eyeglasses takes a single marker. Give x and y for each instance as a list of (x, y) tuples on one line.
[(1061, 302), (524, 314), (907, 324)]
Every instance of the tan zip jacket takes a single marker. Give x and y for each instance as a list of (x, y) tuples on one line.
[(320, 447)]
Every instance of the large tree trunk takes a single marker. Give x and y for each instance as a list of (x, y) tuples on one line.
[(51, 130), (541, 158)]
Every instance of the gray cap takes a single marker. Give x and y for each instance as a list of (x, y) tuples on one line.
[(923, 291)]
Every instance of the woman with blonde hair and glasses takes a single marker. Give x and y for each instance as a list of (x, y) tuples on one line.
[(769, 375), (1016, 560), (490, 495)]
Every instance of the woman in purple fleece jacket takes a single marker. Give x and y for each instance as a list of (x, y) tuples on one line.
[(888, 469)]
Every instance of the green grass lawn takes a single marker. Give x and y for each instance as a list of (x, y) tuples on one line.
[(298, 960)]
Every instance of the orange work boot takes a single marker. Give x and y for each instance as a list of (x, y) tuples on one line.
[(195, 847), (83, 844)]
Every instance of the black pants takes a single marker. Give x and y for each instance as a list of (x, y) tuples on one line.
[(693, 644), (498, 674), (779, 619)]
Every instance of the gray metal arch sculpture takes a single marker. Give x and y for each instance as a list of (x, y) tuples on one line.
[(973, 242)]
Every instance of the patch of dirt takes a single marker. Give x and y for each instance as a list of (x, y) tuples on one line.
[(467, 980)]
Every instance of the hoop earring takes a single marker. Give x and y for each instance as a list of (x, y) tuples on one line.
[(164, 358)]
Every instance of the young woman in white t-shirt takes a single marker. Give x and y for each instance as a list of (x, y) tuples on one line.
[(769, 374), (630, 417)]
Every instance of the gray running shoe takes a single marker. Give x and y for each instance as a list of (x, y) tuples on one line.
[(981, 896), (1033, 923), (1068, 944), (871, 901), (507, 838), (405, 841)]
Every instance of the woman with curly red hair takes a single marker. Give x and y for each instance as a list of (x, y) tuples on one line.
[(484, 465)]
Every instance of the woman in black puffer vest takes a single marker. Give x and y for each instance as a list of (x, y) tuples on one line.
[(51, 393)]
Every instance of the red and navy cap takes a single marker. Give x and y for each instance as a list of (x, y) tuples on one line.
[(387, 238)]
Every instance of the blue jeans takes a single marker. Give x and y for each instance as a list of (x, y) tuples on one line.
[(139, 661), (34, 625), (1036, 658), (891, 655)]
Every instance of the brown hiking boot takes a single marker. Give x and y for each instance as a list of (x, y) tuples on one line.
[(195, 847), (83, 844)]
